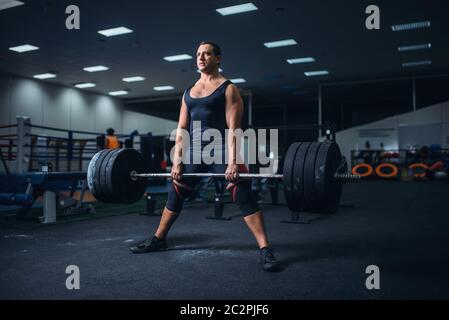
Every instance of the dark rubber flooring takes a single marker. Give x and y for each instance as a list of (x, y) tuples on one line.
[(402, 227)]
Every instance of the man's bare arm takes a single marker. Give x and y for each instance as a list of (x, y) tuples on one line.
[(183, 124), (234, 113)]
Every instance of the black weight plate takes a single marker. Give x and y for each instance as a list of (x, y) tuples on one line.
[(287, 172), (93, 174), (107, 195), (334, 187), (99, 187), (309, 176), (108, 178), (321, 170), (298, 176), (327, 188), (119, 182)]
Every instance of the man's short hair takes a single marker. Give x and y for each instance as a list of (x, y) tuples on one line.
[(110, 131), (215, 47)]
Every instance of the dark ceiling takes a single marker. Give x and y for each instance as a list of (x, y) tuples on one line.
[(333, 32)]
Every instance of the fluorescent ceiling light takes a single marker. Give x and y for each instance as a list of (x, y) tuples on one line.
[(238, 80), (300, 60), (114, 31), (178, 57), (6, 4), (85, 85), (118, 93), (24, 48), (163, 88), (280, 43), (416, 63), (95, 68), (316, 73), (133, 79), (237, 9), (44, 76), (411, 26), (415, 47)]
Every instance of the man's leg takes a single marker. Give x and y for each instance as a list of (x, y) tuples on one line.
[(167, 220), (178, 191), (158, 241), (256, 225), (241, 194)]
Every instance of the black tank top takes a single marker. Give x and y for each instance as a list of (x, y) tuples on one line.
[(210, 111)]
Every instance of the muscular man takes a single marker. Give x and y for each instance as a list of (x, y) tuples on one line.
[(216, 103)]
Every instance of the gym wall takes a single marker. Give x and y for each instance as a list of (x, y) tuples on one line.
[(429, 125), (70, 108), (145, 123)]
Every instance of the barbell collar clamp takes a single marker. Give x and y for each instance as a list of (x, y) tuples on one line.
[(348, 177)]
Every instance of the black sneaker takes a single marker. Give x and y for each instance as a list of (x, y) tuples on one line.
[(150, 245), (267, 259)]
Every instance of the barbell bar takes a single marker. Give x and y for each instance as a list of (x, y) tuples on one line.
[(343, 177), (312, 176), (207, 175)]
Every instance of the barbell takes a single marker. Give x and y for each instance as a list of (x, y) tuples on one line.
[(312, 176)]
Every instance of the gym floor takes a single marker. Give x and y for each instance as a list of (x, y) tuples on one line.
[(401, 227)]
